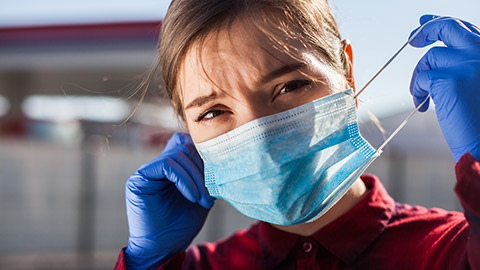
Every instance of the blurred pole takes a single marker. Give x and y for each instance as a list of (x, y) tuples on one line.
[(14, 123), (87, 201)]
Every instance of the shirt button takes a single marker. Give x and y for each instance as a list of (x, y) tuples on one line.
[(307, 247)]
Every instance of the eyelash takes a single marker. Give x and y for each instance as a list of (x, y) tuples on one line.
[(210, 111), (293, 83), (215, 112)]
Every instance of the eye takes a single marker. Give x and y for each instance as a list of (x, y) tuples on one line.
[(293, 85), (208, 115)]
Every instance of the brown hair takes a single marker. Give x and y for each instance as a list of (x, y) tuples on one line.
[(187, 21)]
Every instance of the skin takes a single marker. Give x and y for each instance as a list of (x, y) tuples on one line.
[(225, 83)]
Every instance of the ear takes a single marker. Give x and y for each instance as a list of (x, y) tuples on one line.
[(347, 48)]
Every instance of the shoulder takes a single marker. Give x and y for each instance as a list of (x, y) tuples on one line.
[(240, 250), (419, 216), (414, 237), (433, 237)]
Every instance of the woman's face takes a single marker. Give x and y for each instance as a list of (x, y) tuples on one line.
[(238, 76)]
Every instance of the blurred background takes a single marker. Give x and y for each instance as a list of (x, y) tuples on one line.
[(69, 75)]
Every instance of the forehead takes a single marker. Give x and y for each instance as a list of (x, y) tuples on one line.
[(243, 43), (240, 49)]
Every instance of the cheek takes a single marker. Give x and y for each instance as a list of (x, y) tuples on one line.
[(192, 127), (199, 133)]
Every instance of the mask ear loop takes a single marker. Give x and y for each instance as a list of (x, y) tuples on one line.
[(379, 150)]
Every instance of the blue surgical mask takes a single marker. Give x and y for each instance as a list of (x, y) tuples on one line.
[(290, 167)]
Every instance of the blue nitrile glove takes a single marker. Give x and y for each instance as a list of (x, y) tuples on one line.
[(167, 204), (451, 75)]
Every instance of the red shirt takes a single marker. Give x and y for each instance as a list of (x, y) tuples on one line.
[(377, 233)]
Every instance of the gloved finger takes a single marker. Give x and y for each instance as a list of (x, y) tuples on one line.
[(421, 88), (185, 162), (428, 17), (139, 185), (451, 31), (177, 140), (206, 200), (169, 169), (181, 149), (182, 142), (191, 151), (472, 27), (196, 174), (419, 94), (418, 100), (182, 180), (438, 57), (429, 82)]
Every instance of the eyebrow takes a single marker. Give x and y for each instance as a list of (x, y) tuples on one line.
[(201, 100), (282, 71), (285, 69)]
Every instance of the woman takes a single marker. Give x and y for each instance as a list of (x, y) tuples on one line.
[(262, 87)]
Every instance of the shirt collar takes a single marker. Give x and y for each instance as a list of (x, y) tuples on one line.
[(346, 238)]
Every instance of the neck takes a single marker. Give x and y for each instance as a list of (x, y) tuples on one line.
[(356, 193)]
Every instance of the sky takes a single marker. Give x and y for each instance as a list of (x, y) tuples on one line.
[(48, 12), (376, 29)]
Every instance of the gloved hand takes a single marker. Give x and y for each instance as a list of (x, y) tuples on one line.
[(451, 76), (167, 204)]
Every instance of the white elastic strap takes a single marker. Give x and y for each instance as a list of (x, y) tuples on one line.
[(395, 55), (379, 150)]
